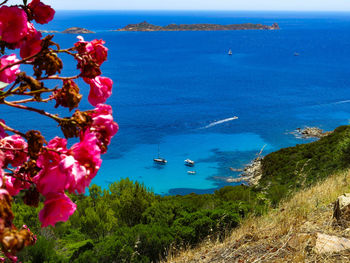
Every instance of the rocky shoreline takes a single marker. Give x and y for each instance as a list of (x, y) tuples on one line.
[(251, 173), (310, 132)]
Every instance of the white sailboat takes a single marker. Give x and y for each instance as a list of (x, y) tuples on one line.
[(160, 160)]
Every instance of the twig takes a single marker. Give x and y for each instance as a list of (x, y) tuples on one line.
[(4, 2), (42, 112), (30, 100), (7, 128), (58, 77)]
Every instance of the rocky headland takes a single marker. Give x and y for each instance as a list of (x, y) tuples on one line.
[(71, 30), (77, 30), (145, 26), (310, 132)]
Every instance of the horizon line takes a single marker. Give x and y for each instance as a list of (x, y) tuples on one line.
[(207, 10)]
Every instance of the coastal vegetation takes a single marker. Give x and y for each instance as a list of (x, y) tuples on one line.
[(129, 223)]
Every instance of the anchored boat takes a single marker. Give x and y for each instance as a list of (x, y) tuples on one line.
[(189, 162), (160, 160)]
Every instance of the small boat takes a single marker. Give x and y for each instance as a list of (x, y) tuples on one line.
[(160, 160), (189, 162), (296, 54), (191, 172), (230, 52)]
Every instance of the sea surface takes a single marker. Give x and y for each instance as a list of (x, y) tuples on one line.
[(179, 91)]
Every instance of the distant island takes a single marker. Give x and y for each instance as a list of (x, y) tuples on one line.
[(71, 30), (145, 26)]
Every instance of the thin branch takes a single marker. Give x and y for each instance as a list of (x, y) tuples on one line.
[(7, 128), (67, 51), (4, 2), (31, 100), (30, 93), (23, 61), (42, 112), (13, 174), (58, 77)]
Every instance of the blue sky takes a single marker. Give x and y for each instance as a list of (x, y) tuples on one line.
[(302, 5)]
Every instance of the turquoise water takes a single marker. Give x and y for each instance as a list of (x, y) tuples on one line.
[(176, 148), (172, 87)]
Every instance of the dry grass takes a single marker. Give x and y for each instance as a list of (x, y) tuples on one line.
[(286, 234)]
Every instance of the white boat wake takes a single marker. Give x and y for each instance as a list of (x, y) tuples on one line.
[(219, 122), (342, 101)]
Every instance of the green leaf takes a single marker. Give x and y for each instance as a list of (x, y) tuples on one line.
[(25, 2), (3, 85)]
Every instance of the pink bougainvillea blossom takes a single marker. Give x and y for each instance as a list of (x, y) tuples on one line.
[(8, 75), (14, 148), (31, 44), (13, 24), (100, 89), (57, 207), (87, 161), (41, 13), (95, 49), (53, 177), (15, 185), (103, 125)]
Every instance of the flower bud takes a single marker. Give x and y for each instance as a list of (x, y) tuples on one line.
[(68, 96)]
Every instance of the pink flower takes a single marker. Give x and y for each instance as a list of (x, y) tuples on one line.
[(95, 49), (87, 161), (8, 75), (103, 125), (57, 207), (42, 13), (53, 176), (31, 44), (13, 24), (15, 154), (15, 185), (100, 89)]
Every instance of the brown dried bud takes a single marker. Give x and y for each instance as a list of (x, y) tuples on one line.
[(68, 96), (30, 168), (14, 241), (89, 68), (48, 62), (35, 143), (31, 197), (6, 215), (69, 128), (30, 83), (82, 118), (73, 126)]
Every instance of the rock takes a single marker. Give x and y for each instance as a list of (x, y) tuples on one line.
[(300, 241), (48, 31), (252, 173), (77, 30), (341, 210), (330, 244), (310, 132)]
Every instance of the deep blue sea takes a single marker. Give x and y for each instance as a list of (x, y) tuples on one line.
[(171, 86)]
